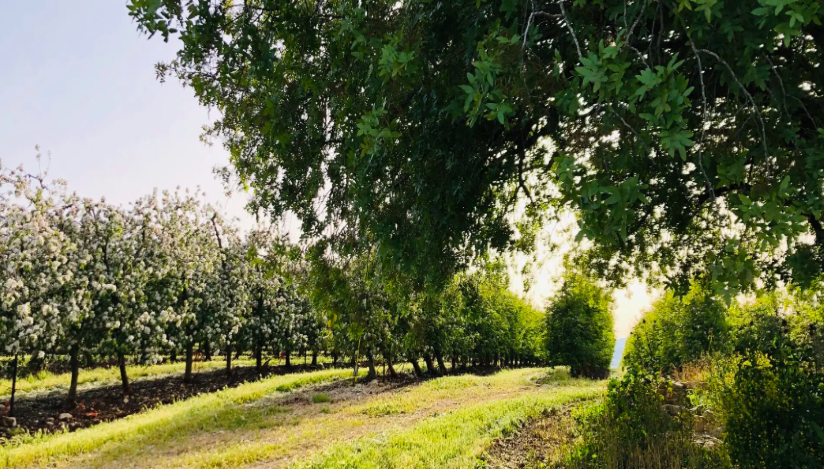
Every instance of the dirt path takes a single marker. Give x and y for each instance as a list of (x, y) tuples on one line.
[(538, 444)]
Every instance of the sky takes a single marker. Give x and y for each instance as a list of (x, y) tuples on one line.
[(80, 83)]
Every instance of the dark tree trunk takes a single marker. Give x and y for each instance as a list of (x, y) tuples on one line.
[(388, 361), (87, 356), (124, 377), (190, 352), (259, 359), (288, 358), (416, 366), (454, 364), (334, 358), (238, 353), (13, 385), (229, 360), (173, 356), (372, 371), (441, 364), (207, 351), (430, 367), (36, 364), (314, 358), (75, 367)]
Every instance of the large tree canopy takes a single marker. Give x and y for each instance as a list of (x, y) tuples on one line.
[(685, 133)]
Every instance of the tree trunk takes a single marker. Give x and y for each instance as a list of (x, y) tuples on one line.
[(259, 359), (334, 358), (89, 359), (207, 351), (75, 366), (288, 358), (416, 366), (441, 364), (430, 367), (124, 378), (13, 385), (355, 364), (314, 358), (173, 356), (229, 360), (372, 371), (35, 363), (388, 361), (190, 351), (454, 364)]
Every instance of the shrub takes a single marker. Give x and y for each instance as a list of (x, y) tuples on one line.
[(678, 331), (770, 391), (631, 428), (579, 328)]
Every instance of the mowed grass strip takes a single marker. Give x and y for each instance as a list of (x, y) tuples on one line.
[(209, 412), (293, 437), (272, 436), (453, 440)]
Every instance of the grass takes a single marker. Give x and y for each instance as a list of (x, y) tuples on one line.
[(454, 440), (47, 381), (445, 422), (222, 410), (321, 398)]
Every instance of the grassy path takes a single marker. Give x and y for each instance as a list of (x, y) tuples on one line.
[(445, 422)]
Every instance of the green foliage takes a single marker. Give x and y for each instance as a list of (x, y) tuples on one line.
[(686, 133), (769, 391), (765, 372), (678, 331), (579, 328), (501, 324), (632, 429)]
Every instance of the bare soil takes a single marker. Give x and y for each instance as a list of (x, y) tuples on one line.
[(539, 443)]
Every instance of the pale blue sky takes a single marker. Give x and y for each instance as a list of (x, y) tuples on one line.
[(77, 79)]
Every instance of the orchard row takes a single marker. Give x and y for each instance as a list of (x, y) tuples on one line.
[(169, 273)]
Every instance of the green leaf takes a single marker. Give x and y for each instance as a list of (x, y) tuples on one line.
[(785, 184)]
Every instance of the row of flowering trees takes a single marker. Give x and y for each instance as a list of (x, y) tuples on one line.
[(161, 276), (168, 274)]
